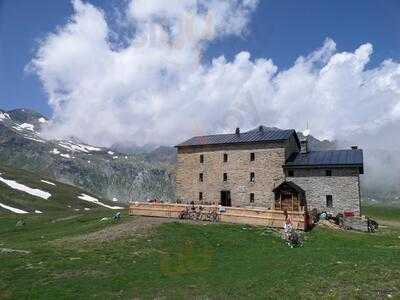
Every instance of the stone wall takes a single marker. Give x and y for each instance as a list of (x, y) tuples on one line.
[(343, 185), (267, 166)]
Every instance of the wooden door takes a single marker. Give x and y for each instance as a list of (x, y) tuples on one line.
[(286, 201)]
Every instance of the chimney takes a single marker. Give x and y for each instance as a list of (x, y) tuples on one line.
[(304, 145), (354, 147), (261, 128), (237, 131)]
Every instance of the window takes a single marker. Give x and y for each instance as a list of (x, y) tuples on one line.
[(225, 176), (225, 157), (200, 196), (251, 197), (290, 173), (252, 177), (329, 201), (201, 158), (252, 156), (328, 172), (201, 177)]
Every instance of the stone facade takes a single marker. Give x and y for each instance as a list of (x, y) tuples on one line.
[(267, 169), (343, 185)]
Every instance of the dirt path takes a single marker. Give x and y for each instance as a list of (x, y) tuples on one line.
[(131, 226), (389, 223)]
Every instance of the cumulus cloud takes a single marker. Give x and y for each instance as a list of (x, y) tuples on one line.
[(157, 89)]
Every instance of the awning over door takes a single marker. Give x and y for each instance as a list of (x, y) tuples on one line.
[(290, 197)]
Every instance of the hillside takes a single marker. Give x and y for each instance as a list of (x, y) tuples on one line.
[(23, 192), (156, 258), (104, 172)]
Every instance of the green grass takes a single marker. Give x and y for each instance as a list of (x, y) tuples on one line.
[(180, 261), (381, 212)]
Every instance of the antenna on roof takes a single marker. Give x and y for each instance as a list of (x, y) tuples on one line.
[(307, 131)]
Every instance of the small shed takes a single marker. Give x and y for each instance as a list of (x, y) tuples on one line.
[(290, 197)]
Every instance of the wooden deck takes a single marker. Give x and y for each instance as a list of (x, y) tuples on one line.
[(251, 216)]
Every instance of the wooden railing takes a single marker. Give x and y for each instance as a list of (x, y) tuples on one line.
[(251, 216)]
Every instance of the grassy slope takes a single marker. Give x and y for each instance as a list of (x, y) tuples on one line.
[(186, 260), (63, 195), (381, 212)]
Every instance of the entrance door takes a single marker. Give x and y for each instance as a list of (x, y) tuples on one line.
[(286, 201), (225, 198)]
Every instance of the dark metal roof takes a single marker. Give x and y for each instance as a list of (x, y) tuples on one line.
[(326, 158), (245, 137)]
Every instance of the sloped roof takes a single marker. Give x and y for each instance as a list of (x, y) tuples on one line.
[(245, 137), (289, 184), (350, 157)]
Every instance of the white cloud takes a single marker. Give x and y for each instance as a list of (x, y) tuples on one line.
[(157, 90)]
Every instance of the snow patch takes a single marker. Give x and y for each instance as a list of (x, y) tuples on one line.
[(115, 157), (20, 187), (33, 139), (96, 201), (55, 151), (114, 199), (65, 155), (13, 209), (90, 148), (78, 147), (38, 211), (110, 152), (27, 126), (86, 208), (4, 116), (42, 120), (48, 182)]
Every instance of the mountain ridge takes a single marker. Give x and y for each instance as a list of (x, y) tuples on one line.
[(100, 170)]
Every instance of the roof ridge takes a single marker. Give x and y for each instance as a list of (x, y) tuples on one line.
[(244, 137), (245, 132)]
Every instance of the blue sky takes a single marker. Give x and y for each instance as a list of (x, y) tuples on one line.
[(281, 30)]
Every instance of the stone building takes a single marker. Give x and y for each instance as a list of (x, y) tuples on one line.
[(267, 168)]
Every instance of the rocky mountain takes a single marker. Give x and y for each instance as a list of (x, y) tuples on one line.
[(104, 172)]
